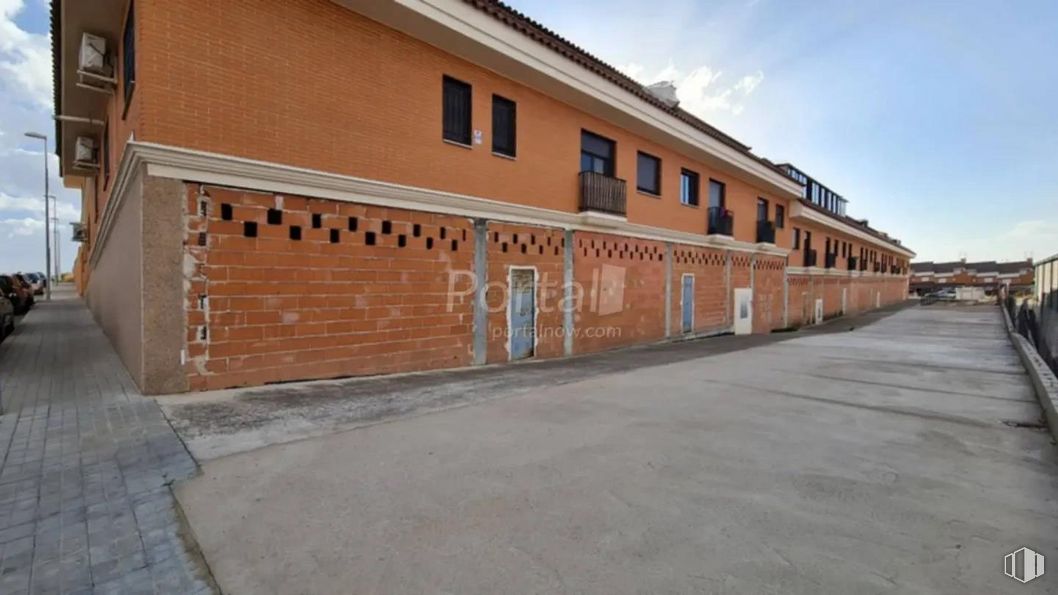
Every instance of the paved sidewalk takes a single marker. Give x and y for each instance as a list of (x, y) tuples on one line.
[(85, 467)]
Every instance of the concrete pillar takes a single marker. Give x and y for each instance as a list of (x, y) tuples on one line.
[(727, 288), (668, 289), (567, 294), (481, 312)]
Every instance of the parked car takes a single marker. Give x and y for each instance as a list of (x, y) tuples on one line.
[(43, 280), (20, 297), (20, 278), (7, 317), (36, 282)]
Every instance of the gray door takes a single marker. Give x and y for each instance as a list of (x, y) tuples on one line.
[(688, 303), (523, 313)]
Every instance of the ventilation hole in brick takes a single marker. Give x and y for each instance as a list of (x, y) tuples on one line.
[(541, 247), (556, 251), (402, 241), (249, 229), (455, 245), (503, 247), (496, 236), (515, 239), (416, 230), (275, 216), (597, 253), (523, 248), (549, 240), (443, 233), (353, 223), (609, 254), (387, 228), (464, 235), (317, 221), (202, 238), (369, 238), (225, 211), (532, 239), (295, 232), (429, 243), (334, 236)]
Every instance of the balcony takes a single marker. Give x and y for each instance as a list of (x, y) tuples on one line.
[(810, 257), (721, 221), (830, 260), (852, 263), (602, 193), (765, 232)]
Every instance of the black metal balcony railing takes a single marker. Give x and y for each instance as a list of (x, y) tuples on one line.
[(852, 263), (765, 232), (830, 260), (721, 221), (602, 193), (810, 257)]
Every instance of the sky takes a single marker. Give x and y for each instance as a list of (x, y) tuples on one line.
[(935, 119)]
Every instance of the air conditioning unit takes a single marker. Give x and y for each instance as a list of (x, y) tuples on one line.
[(80, 234), (85, 155), (94, 66)]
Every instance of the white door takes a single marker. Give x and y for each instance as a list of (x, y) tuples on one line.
[(743, 310), (877, 299), (844, 300), (819, 311)]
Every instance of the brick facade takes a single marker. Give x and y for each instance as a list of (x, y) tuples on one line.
[(363, 290)]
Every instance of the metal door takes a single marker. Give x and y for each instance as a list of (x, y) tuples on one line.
[(687, 302), (522, 313), (743, 310)]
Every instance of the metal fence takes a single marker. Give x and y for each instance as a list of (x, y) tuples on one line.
[(1037, 321)]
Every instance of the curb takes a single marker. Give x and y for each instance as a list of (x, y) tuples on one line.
[(1044, 382)]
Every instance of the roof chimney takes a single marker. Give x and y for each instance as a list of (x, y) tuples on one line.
[(666, 92)]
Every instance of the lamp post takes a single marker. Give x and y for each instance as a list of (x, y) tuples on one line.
[(47, 216), (56, 238)]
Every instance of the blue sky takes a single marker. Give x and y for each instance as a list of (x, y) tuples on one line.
[(935, 119)]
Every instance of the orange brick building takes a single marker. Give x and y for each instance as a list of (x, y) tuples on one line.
[(279, 190)]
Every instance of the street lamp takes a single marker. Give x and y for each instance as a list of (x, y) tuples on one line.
[(55, 230), (47, 216)]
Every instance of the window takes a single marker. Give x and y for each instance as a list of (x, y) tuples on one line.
[(128, 54), (762, 209), (688, 188), (596, 154), (456, 111), (780, 216), (504, 126), (648, 173), (717, 192), (796, 238)]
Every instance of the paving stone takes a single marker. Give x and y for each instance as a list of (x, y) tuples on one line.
[(85, 463)]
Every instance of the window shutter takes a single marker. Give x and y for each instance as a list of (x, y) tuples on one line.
[(456, 108), (504, 126)]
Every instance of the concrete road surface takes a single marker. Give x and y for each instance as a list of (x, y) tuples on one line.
[(898, 458)]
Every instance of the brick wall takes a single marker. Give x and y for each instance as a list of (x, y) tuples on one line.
[(621, 284), (711, 312), (363, 291), (214, 78), (768, 293), (538, 247)]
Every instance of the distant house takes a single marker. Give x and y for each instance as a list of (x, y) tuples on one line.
[(989, 274)]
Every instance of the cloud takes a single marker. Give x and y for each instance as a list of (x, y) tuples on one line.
[(700, 91), (25, 59), (25, 227), (66, 211)]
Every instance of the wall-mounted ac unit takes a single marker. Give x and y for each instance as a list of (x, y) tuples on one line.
[(85, 155), (94, 66), (80, 234)]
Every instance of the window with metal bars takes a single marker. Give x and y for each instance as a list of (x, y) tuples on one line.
[(456, 110), (128, 54), (504, 126)]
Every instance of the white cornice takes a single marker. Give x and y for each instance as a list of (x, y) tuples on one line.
[(799, 211), (165, 161)]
